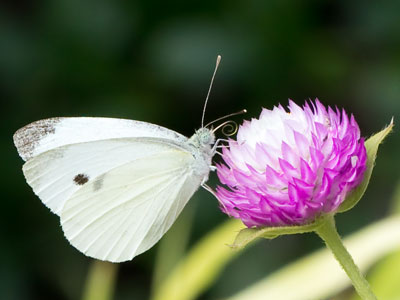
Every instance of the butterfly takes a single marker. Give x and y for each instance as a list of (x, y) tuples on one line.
[(117, 185)]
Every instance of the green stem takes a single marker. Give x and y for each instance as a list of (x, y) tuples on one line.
[(327, 231)]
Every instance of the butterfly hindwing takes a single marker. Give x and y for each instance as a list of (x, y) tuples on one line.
[(133, 208)]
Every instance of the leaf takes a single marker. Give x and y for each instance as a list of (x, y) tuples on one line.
[(100, 282), (172, 246), (318, 275), (384, 278), (372, 145), (201, 266), (247, 235)]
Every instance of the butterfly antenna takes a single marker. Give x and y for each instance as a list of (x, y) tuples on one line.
[(209, 89), (243, 111)]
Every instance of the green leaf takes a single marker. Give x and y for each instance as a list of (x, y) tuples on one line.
[(201, 266), (372, 145), (384, 278), (247, 235), (100, 282), (318, 275), (173, 246)]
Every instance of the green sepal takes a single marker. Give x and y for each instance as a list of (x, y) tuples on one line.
[(372, 145), (247, 235)]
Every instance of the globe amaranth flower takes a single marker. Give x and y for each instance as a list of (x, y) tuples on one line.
[(289, 167)]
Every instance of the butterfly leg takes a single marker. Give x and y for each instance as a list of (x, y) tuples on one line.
[(209, 189), (214, 148), (215, 151), (217, 145), (218, 142)]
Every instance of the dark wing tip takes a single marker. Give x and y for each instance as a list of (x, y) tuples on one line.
[(28, 137)]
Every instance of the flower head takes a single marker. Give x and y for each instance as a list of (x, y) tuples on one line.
[(287, 168)]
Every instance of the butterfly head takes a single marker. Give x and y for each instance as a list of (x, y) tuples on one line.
[(202, 138)]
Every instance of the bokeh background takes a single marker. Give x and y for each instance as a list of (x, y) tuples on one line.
[(152, 61)]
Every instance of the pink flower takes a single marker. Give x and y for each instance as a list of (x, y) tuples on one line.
[(287, 168)]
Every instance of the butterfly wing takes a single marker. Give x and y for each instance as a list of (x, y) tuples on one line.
[(58, 149), (124, 212), (55, 175), (44, 135), (117, 185)]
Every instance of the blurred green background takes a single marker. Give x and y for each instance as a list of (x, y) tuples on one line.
[(152, 61)]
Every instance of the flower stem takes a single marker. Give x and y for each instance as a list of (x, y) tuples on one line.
[(327, 231)]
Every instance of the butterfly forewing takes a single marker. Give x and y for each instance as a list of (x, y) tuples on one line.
[(48, 134)]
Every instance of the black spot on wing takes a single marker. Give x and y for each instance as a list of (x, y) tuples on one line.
[(81, 179)]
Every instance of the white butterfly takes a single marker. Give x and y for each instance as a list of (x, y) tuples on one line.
[(118, 185)]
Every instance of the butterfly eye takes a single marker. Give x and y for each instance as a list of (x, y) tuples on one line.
[(207, 137)]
